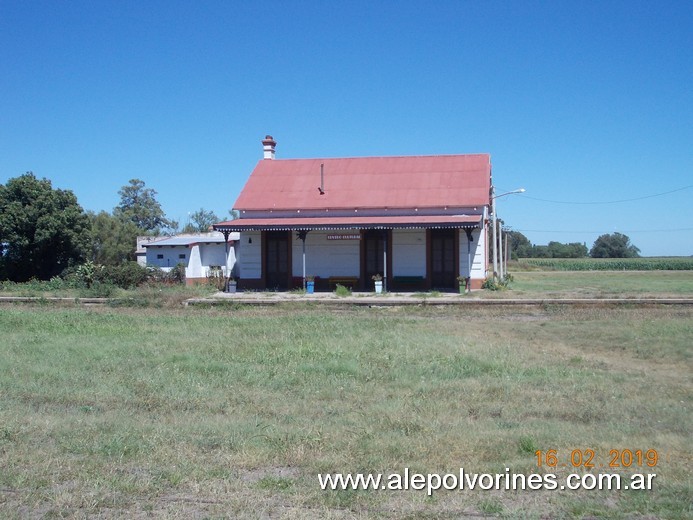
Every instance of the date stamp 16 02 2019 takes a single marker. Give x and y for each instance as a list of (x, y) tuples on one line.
[(588, 458)]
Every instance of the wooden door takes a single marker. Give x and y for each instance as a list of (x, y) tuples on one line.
[(277, 260), (442, 259), (373, 256)]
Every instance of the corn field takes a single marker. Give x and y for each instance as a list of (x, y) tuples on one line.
[(606, 264)]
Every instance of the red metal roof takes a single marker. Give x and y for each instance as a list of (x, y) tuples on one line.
[(327, 223), (368, 182)]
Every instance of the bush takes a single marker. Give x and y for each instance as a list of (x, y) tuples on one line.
[(99, 290), (58, 284), (177, 274), (126, 275), (33, 286), (87, 273), (216, 278), (490, 284), (156, 275), (341, 290), (7, 285), (493, 284)]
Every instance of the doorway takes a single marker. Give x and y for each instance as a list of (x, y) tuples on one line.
[(373, 256), (277, 260), (443, 258)]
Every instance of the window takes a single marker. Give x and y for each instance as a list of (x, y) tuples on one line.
[(181, 256), (159, 257)]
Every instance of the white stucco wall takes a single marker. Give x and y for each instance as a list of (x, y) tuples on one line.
[(169, 256), (249, 255), (194, 269), (478, 254), (325, 257), (214, 254), (409, 252)]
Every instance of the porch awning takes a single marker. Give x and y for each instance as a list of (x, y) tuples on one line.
[(331, 223)]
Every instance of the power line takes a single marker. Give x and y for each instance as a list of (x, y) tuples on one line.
[(605, 201)]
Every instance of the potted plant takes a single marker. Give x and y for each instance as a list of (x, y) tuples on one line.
[(378, 280), (463, 283), (310, 284)]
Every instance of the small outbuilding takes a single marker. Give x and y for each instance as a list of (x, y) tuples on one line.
[(420, 222), (203, 255)]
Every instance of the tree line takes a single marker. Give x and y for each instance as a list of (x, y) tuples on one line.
[(44, 231), (614, 245)]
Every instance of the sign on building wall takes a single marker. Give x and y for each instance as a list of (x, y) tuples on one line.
[(351, 236)]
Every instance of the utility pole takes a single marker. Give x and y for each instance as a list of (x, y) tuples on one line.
[(495, 237), (497, 233), (507, 251), (500, 250)]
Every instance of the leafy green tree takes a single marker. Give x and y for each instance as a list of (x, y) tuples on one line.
[(520, 246), (616, 245), (578, 250), (540, 252), (201, 221), (556, 250), (139, 206), (113, 239), (42, 230), (572, 250)]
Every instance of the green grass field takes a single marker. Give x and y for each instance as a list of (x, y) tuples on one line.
[(601, 284), (209, 413)]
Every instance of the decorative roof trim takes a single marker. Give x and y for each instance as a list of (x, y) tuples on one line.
[(329, 224)]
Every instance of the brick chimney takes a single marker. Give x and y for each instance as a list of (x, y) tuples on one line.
[(268, 144)]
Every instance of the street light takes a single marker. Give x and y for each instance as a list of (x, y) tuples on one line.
[(495, 238)]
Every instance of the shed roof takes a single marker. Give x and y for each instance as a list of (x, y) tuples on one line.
[(186, 241), (368, 182)]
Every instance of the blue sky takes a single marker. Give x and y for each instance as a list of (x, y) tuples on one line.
[(583, 103)]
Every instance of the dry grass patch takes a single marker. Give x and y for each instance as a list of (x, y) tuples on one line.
[(204, 412)]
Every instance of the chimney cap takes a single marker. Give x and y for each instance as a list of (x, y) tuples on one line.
[(268, 144)]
